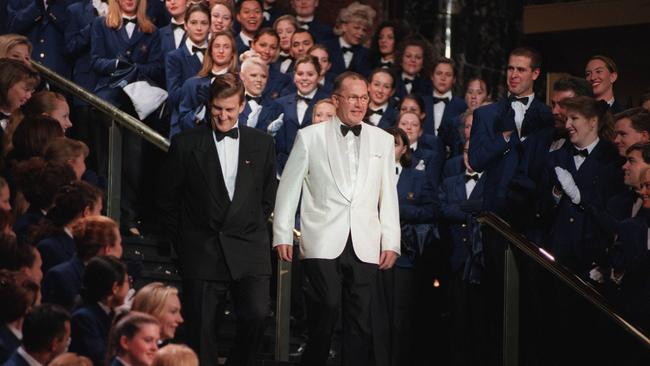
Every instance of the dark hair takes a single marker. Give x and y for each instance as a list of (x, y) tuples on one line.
[(197, 7), (100, 275), (62, 149), (15, 298), (645, 97), (42, 325), (338, 82), (266, 30), (483, 83), (302, 30), (639, 117), (381, 70), (126, 325), (241, 2), (589, 108), (643, 147), (399, 32), (580, 87), (93, 233), (399, 134), (534, 56), (414, 97), (225, 86), (308, 59), (40, 181), (427, 54), (609, 63), (444, 60), (11, 73), (14, 256), (32, 136)]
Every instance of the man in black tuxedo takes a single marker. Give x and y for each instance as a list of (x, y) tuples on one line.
[(217, 192)]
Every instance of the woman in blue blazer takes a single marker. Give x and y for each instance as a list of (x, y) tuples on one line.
[(424, 158), (134, 340), (186, 61), (297, 107), (381, 88), (220, 58), (413, 67), (259, 110), (418, 207), (266, 44), (173, 35)]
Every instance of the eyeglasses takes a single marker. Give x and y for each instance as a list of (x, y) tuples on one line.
[(364, 99)]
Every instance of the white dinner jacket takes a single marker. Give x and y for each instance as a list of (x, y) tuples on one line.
[(328, 211)]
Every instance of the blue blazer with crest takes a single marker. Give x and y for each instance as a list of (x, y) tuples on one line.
[(180, 65)]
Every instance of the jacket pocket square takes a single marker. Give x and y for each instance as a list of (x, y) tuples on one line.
[(376, 156)]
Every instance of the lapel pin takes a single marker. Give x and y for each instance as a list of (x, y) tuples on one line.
[(247, 161)]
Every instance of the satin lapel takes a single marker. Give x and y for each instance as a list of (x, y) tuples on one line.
[(244, 178), (477, 192), (364, 161), (208, 161), (334, 157)]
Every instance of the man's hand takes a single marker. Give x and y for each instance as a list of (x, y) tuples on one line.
[(387, 259), (285, 252)]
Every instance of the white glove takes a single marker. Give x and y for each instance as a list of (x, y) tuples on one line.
[(596, 275), (568, 184), (274, 126)]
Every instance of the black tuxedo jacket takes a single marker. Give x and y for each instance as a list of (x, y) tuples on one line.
[(217, 239)]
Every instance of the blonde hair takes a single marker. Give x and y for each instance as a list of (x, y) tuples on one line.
[(9, 41), (152, 299), (251, 57), (70, 359), (207, 59), (322, 101), (355, 12), (175, 355), (114, 16)]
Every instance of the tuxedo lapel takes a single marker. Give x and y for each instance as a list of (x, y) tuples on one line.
[(364, 161), (335, 158), (244, 175), (477, 192), (208, 161)]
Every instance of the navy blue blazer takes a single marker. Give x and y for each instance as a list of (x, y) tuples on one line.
[(167, 42), (277, 83), (421, 86), (490, 153), (8, 343), (452, 193), (453, 166), (388, 118), (45, 30), (16, 360), (448, 131), (359, 62), (80, 17), (62, 283), (25, 221), (418, 202), (190, 104), (320, 31), (241, 45), (431, 150), (270, 111), (287, 133), (142, 50), (90, 326), (55, 250), (577, 238), (157, 13), (180, 65), (116, 362), (273, 14)]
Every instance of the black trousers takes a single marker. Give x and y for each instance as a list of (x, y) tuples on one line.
[(203, 306), (345, 281), (399, 289)]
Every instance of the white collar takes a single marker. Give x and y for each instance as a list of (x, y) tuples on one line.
[(472, 173), (343, 43), (173, 21), (446, 95), (414, 146), (31, 361), (383, 60), (589, 147), (68, 231), (611, 101), (121, 360), (529, 96), (106, 309), (407, 76), (310, 95), (221, 72), (247, 40), (305, 19), (383, 107), (16, 332), (128, 17)]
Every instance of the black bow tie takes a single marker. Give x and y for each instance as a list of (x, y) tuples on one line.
[(345, 50), (408, 81), (198, 49), (469, 177), (233, 134), (127, 21), (386, 65), (257, 100), (283, 58), (177, 26), (584, 152), (523, 100), (303, 98), (4, 116), (304, 25), (437, 100), (356, 129), (373, 111)]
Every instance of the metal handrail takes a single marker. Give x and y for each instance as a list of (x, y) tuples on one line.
[(119, 116), (545, 260)]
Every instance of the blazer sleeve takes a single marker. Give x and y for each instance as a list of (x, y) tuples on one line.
[(289, 191), (23, 18), (172, 179), (153, 67), (188, 106), (102, 62), (77, 35), (388, 203), (485, 147), (87, 340), (450, 208), (425, 211), (173, 77)]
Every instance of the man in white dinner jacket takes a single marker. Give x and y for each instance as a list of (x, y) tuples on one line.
[(349, 218)]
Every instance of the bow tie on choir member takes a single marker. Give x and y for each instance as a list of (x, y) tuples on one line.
[(386, 65), (303, 98), (304, 25), (127, 21), (233, 134), (177, 26), (523, 100), (584, 152), (407, 81), (469, 177), (356, 129), (198, 49), (283, 58), (375, 111), (257, 99), (346, 49), (437, 100)]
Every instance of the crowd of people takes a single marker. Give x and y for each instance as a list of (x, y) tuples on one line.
[(574, 178)]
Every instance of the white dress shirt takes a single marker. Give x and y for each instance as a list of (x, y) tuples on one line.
[(439, 110), (304, 20), (471, 184), (347, 56), (349, 145), (130, 27), (375, 118), (398, 171), (578, 159), (520, 112), (284, 66), (247, 40), (31, 361), (179, 33), (189, 44), (301, 105), (228, 151), (408, 86)]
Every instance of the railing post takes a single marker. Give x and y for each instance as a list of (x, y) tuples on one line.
[(283, 311), (510, 310), (114, 171)]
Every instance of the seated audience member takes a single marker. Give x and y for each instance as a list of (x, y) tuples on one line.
[(324, 110), (105, 287), (222, 14), (381, 88), (384, 43), (305, 11), (250, 17), (630, 127), (265, 44), (46, 334), (70, 359), (16, 299), (347, 52), (17, 82), (133, 340), (602, 73), (423, 159), (175, 355), (50, 104), (20, 258), (39, 183), (284, 26), (54, 236), (260, 109), (93, 236), (413, 68), (74, 153), (161, 302), (17, 47)]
